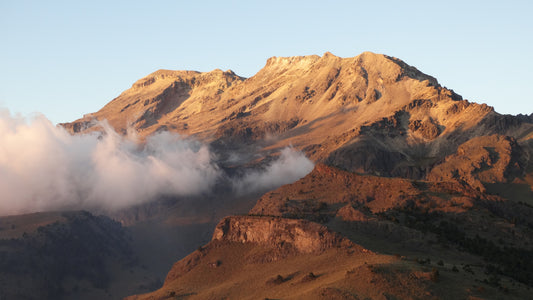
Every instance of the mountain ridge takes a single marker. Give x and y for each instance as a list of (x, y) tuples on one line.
[(322, 105)]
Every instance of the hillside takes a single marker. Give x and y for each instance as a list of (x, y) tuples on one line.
[(338, 235), (58, 255)]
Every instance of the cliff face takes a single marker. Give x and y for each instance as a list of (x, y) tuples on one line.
[(303, 236)]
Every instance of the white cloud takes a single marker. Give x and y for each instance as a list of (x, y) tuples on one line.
[(289, 167), (43, 167)]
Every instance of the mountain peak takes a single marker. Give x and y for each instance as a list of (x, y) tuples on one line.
[(328, 54), (387, 68), (162, 74), (293, 61), (319, 104)]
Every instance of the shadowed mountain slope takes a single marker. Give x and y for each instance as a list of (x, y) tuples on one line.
[(61, 255)]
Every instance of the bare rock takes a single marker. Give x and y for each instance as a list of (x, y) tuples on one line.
[(489, 159), (302, 235)]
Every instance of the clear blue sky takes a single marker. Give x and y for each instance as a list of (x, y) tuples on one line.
[(67, 58)]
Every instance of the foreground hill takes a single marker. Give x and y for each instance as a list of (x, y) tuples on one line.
[(79, 255), (57, 255), (339, 235)]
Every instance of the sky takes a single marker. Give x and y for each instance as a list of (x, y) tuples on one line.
[(64, 59)]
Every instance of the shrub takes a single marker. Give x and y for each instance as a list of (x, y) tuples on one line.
[(434, 275)]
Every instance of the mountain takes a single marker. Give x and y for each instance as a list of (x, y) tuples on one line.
[(415, 193), (371, 113)]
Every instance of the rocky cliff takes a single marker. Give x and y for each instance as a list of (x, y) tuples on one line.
[(299, 235), (282, 237)]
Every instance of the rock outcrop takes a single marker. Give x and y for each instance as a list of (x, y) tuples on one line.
[(301, 235)]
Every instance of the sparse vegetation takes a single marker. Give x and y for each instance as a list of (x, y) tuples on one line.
[(276, 280), (454, 269), (514, 262), (309, 277)]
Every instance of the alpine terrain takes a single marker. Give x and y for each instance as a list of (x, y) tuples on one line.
[(412, 192)]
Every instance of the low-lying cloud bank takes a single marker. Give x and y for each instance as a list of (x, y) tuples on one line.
[(43, 168), (289, 167)]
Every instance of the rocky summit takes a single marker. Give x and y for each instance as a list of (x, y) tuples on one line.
[(371, 113)]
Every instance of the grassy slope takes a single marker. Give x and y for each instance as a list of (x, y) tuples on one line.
[(339, 275)]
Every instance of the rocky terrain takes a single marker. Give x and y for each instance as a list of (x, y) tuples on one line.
[(442, 239), (371, 113), (416, 192)]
